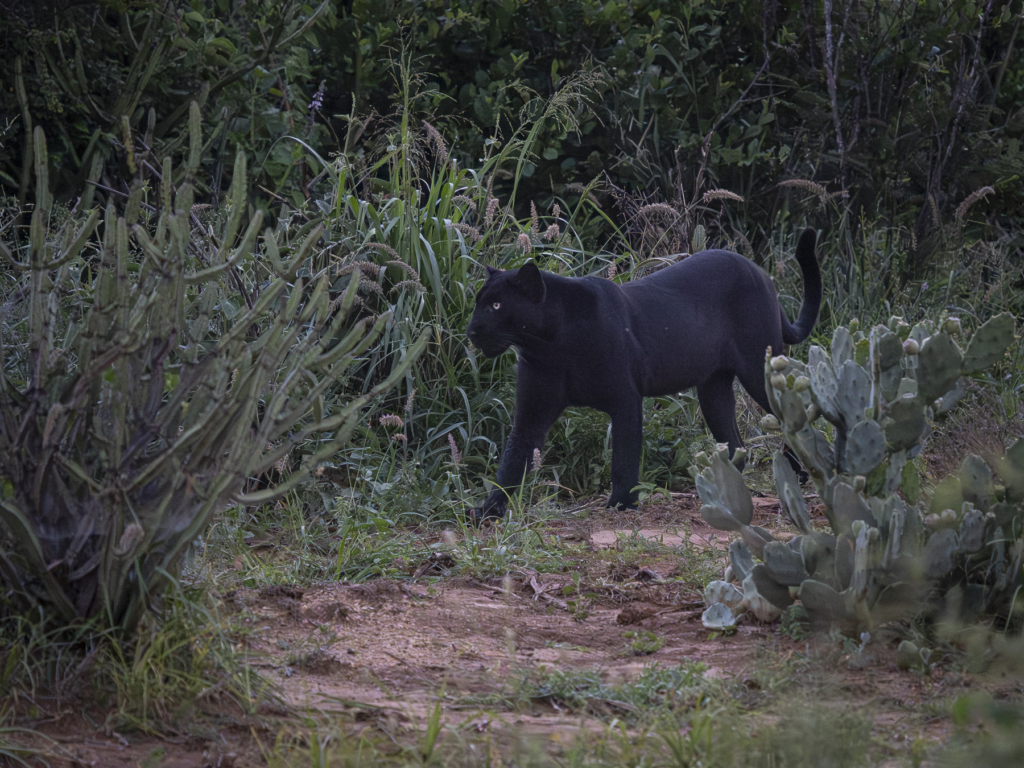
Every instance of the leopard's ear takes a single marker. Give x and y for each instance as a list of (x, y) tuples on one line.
[(529, 281), (491, 271)]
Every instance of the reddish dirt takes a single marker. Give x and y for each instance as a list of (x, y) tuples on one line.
[(381, 653)]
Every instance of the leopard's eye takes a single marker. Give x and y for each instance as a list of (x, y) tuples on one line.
[(496, 305)]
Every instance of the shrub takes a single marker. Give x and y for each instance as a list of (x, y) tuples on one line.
[(155, 373)]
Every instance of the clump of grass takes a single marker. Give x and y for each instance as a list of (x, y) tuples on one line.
[(181, 664), (644, 642), (655, 691), (514, 543)]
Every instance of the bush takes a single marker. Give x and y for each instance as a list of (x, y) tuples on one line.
[(149, 378)]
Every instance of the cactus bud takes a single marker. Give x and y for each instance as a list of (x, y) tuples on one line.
[(770, 423), (740, 456), (813, 412), (722, 449), (932, 520), (911, 347), (859, 482), (727, 578), (948, 518), (778, 381), (802, 384), (894, 322), (854, 325), (952, 326), (779, 363)]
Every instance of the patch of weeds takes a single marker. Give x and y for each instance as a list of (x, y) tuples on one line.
[(795, 623), (286, 543), (656, 687), (987, 732), (701, 564), (632, 550), (509, 544), (180, 664), (374, 548), (579, 608), (644, 642), (409, 495), (804, 737), (702, 733), (299, 543), (643, 545), (579, 450), (656, 690), (580, 602)]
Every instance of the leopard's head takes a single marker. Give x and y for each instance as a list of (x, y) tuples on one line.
[(509, 309)]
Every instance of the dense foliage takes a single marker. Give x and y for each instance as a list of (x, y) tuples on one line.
[(905, 114)]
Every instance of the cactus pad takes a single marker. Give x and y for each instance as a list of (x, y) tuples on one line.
[(976, 483), (939, 551), (904, 423), (938, 367), (972, 531), (722, 490), (718, 617), (719, 518), (740, 560), (775, 593), (784, 565), (825, 390), (849, 506), (826, 608), (842, 347), (790, 495), (854, 396), (758, 604), (989, 343), (756, 538), (948, 401), (865, 447)]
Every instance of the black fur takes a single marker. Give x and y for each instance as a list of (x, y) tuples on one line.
[(588, 342)]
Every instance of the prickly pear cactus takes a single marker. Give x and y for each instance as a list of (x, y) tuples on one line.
[(856, 416)]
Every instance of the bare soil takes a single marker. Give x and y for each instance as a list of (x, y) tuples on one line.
[(382, 654)]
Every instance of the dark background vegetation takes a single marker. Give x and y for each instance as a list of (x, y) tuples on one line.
[(893, 127), (900, 111)]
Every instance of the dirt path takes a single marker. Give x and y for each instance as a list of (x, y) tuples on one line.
[(384, 653)]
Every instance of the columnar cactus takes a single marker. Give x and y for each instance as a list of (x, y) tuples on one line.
[(151, 388), (887, 555)]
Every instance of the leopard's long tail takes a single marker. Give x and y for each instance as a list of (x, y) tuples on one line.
[(794, 333)]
